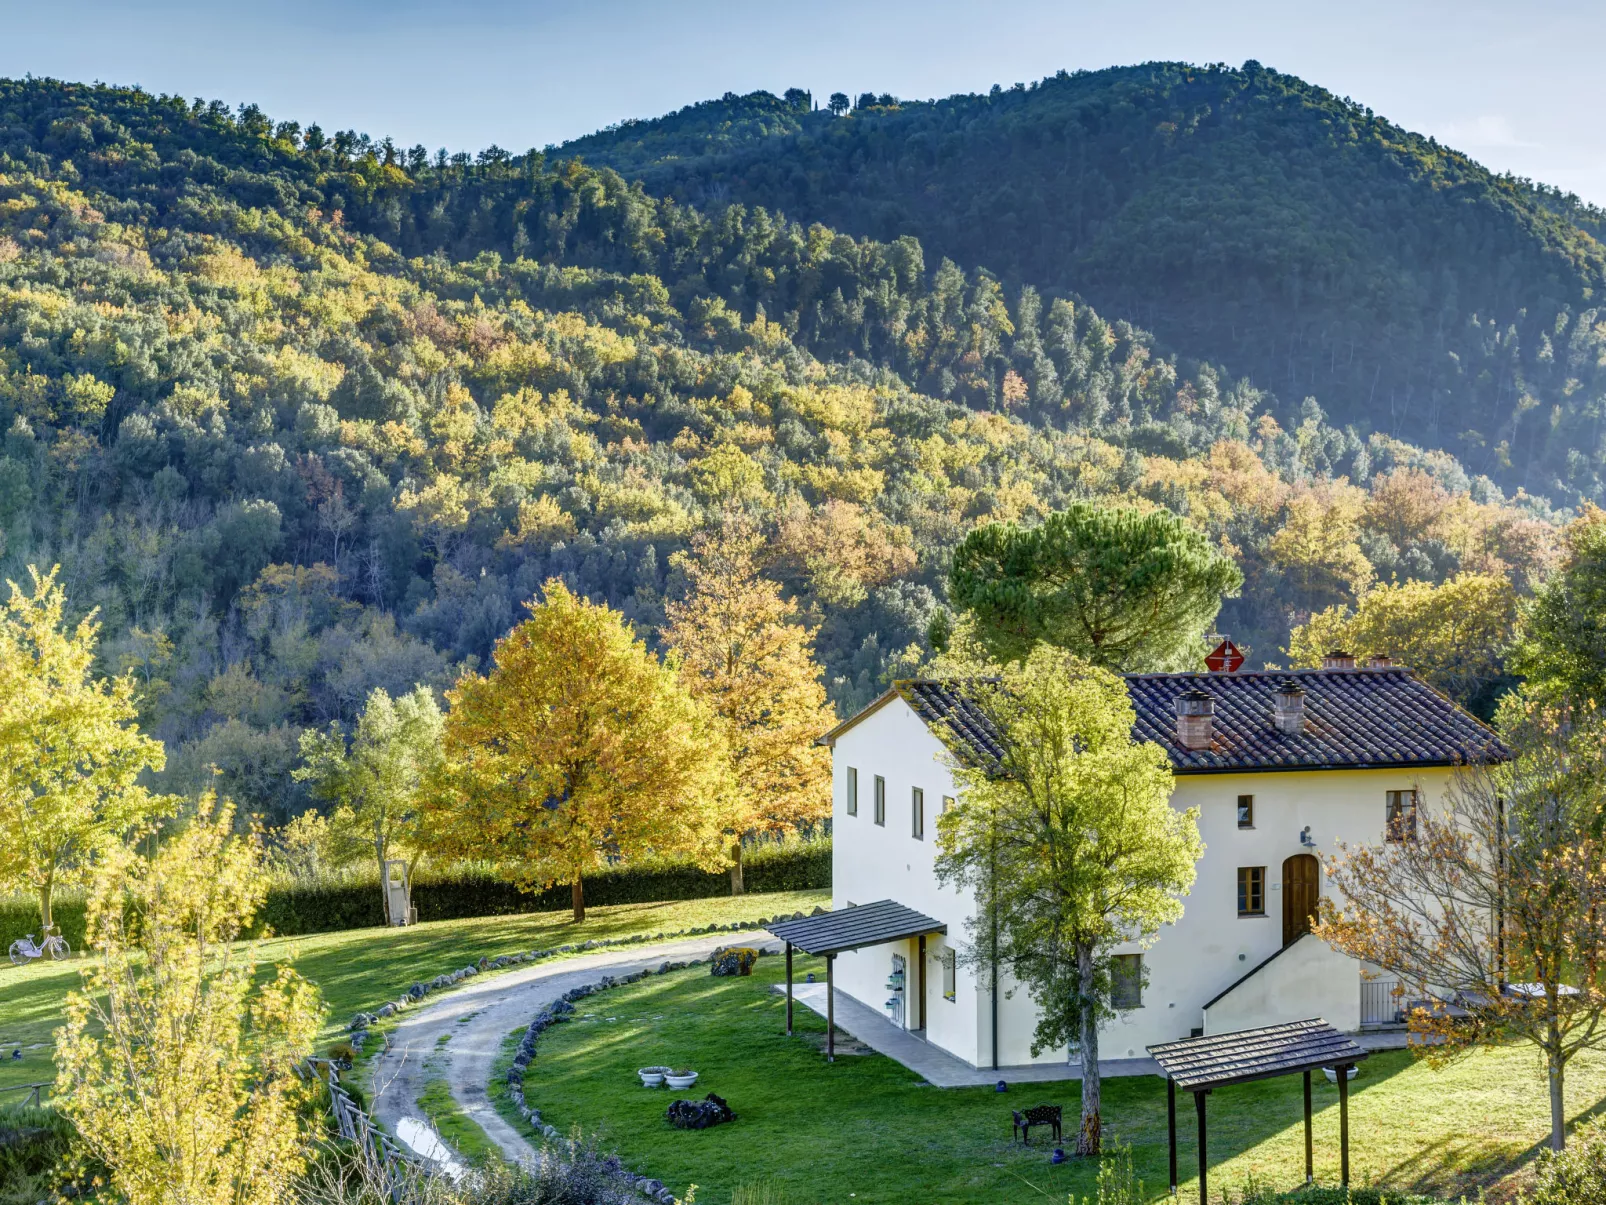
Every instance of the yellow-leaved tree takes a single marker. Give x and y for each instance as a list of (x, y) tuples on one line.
[(578, 748), (1454, 635), (70, 747), (177, 1067), (743, 652)]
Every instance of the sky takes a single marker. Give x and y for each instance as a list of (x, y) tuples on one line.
[(1514, 86)]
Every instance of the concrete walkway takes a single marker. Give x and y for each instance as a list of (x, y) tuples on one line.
[(935, 1065)]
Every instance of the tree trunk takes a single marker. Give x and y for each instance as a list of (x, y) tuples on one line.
[(1558, 1107), (384, 874), (737, 887), (1089, 1134), (577, 894), (46, 916)]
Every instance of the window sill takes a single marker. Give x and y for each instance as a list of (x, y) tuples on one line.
[(1251, 916)]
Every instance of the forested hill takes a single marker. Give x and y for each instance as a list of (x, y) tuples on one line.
[(1246, 217), (306, 414)]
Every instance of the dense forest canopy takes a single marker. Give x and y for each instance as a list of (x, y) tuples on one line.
[(304, 415), (1246, 217)]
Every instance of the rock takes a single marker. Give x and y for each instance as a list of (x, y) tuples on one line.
[(385, 1010), (654, 1187), (361, 1021), (470, 971), (550, 1131), (818, 911)]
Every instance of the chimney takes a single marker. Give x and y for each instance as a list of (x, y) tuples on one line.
[(1288, 707), (1381, 662), (1338, 659), (1196, 720)]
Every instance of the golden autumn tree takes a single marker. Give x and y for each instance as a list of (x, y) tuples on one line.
[(177, 1066), (70, 747), (743, 652), (579, 747)]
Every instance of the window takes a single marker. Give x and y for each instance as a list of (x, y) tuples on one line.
[(1400, 816), (917, 808), (1126, 981), (947, 802), (853, 791), (1246, 811), (949, 990), (1251, 891), (880, 800)]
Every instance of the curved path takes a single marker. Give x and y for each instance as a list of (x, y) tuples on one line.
[(479, 1015)]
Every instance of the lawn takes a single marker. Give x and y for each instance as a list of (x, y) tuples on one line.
[(362, 967), (867, 1130)]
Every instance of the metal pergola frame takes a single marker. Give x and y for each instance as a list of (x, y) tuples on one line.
[(833, 933), (1201, 1064)]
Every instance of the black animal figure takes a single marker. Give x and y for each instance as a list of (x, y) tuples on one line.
[(699, 1114)]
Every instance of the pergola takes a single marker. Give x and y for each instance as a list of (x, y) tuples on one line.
[(833, 933), (1198, 1065)]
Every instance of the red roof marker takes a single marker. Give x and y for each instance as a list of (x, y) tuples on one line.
[(1225, 659)]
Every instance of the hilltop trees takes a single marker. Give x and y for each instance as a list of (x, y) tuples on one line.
[(70, 747), (1121, 588), (1071, 846), (578, 747), (375, 784), (742, 651), (1563, 647)]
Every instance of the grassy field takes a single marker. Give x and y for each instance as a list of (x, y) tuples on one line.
[(364, 967), (866, 1130)]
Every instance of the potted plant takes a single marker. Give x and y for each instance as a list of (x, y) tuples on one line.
[(681, 1078), (1332, 1075), (652, 1077)]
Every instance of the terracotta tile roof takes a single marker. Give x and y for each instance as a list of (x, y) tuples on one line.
[(1354, 719)]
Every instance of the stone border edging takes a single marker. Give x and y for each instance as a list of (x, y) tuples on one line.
[(357, 1030), (559, 1010)]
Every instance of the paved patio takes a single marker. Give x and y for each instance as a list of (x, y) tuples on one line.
[(937, 1066)]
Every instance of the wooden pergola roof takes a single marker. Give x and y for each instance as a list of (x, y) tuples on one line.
[(1251, 1054)]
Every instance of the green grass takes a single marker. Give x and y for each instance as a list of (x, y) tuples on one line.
[(865, 1130), (455, 1127), (361, 968)]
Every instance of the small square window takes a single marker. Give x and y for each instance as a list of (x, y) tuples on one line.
[(880, 800), (949, 977), (1246, 811), (1400, 816), (853, 791), (917, 808), (947, 802), (1251, 891), (1126, 981)]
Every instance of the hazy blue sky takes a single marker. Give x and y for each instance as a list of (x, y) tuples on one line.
[(1514, 85)]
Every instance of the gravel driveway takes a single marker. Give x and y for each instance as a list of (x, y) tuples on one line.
[(481, 1013)]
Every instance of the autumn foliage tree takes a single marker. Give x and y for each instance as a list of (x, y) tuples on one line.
[(70, 747), (579, 747), (742, 651), (178, 1067)]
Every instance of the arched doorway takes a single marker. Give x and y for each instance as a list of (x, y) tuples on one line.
[(1302, 887)]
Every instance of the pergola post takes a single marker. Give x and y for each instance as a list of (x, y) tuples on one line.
[(1310, 1163), (789, 997), (1171, 1127), (1343, 1125), (830, 1010), (1199, 1107)]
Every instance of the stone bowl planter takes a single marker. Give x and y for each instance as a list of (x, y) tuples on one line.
[(1332, 1075), (652, 1077), (681, 1082)]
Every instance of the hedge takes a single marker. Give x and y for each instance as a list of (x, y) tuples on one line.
[(296, 909)]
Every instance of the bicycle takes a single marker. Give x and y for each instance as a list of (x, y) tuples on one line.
[(23, 950)]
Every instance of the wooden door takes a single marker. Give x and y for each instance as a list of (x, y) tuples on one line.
[(1302, 887)]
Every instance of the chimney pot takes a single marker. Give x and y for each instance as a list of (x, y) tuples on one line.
[(1196, 720), (1338, 659), (1288, 707), (1382, 662)]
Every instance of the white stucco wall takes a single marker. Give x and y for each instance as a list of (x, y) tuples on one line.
[(1308, 979), (1190, 962)]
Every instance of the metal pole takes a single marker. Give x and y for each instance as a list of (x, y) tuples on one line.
[(921, 959), (789, 991), (1199, 1106), (1310, 1166), (830, 1009), (1171, 1127), (1343, 1125)]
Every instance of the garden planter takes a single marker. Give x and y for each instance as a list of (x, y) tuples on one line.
[(652, 1077), (1332, 1076), (681, 1082)]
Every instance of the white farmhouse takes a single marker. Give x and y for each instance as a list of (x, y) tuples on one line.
[(1281, 765)]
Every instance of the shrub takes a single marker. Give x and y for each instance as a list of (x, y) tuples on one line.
[(1337, 1196), (737, 960), (1577, 1176), (34, 1144)]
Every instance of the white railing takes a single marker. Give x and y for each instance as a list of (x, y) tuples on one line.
[(1381, 1003)]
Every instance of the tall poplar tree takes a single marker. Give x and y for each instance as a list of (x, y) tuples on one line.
[(744, 653), (1070, 845), (578, 748), (70, 747)]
